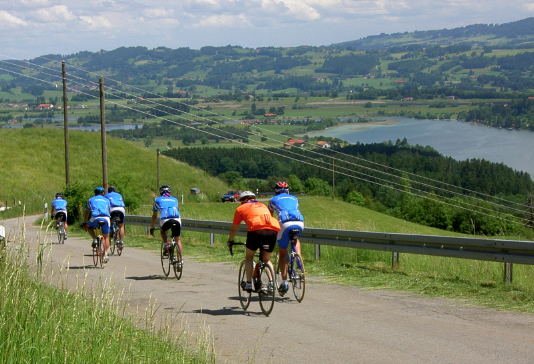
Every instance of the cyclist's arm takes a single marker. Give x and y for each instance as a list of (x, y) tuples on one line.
[(86, 214), (235, 226), (154, 219), (233, 232)]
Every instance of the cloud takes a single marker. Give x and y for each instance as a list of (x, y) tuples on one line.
[(54, 13), (529, 6), (157, 12), (223, 21), (33, 3), (96, 22), (8, 20)]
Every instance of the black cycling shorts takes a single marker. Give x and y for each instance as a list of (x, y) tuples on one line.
[(174, 225), (119, 215), (261, 239), (60, 216)]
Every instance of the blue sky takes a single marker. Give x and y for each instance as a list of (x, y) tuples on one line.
[(29, 28)]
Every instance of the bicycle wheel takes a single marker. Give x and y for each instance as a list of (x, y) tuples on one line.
[(177, 261), (244, 296), (100, 250), (96, 258), (61, 233), (297, 277), (113, 234), (268, 287), (165, 261)]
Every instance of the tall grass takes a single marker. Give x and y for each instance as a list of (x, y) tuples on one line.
[(42, 324)]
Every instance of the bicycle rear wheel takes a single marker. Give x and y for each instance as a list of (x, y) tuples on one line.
[(244, 296), (177, 261), (61, 233), (297, 277), (113, 235), (96, 258), (165, 261), (268, 287), (101, 250)]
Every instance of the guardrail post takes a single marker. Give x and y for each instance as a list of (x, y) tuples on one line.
[(395, 260), (45, 213), (508, 270), (317, 251), (212, 239)]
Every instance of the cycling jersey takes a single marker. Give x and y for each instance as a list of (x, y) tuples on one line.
[(286, 207), (115, 199), (256, 215), (59, 204), (167, 206), (99, 206)]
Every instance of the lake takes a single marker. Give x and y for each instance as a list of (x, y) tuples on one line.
[(453, 138)]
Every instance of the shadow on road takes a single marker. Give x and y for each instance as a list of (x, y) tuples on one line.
[(75, 267), (226, 311), (147, 278)]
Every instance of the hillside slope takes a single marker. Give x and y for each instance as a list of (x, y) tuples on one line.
[(33, 166)]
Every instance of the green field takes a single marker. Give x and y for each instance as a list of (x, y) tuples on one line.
[(33, 168)]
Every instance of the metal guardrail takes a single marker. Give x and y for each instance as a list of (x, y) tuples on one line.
[(505, 251)]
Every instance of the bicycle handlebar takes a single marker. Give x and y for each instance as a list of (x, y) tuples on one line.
[(231, 244)]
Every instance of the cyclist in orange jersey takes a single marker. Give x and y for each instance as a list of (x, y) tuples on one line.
[(262, 231)]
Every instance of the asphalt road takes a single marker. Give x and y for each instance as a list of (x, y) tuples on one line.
[(334, 324)]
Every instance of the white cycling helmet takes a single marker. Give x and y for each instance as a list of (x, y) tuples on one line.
[(243, 195)]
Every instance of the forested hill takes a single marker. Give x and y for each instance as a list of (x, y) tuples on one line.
[(250, 168), (478, 61), (518, 32)]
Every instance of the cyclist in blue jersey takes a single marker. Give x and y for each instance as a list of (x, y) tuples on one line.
[(169, 217), (98, 211), (286, 207), (117, 210), (59, 210)]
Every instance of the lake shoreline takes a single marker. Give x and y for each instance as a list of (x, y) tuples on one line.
[(453, 138)]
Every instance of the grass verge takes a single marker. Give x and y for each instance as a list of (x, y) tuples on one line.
[(42, 324)]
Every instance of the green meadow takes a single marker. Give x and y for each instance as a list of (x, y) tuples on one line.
[(33, 167)]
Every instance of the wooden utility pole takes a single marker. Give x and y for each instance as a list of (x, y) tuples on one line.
[(103, 135), (157, 169), (333, 179), (65, 124), (531, 210)]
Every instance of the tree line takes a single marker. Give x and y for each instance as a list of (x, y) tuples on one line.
[(254, 169)]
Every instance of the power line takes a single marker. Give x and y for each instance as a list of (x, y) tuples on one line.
[(352, 176)]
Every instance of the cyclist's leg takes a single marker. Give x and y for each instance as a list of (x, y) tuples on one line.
[(283, 242), (65, 225), (252, 245), (105, 233), (121, 231), (268, 241), (120, 215), (176, 229)]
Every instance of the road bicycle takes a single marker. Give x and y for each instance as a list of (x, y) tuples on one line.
[(295, 268), (61, 233), (115, 237), (98, 249), (263, 282), (171, 257)]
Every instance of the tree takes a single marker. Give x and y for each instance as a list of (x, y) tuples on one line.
[(295, 184), (317, 186), (355, 198)]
